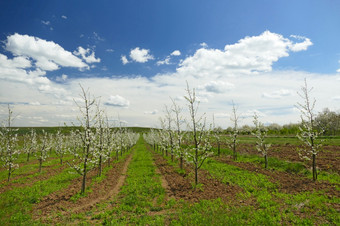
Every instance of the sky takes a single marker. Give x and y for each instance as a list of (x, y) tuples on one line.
[(135, 56)]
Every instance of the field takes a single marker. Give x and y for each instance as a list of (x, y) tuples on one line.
[(146, 187)]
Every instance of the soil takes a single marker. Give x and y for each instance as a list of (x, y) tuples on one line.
[(47, 172), (60, 201), (181, 186), (327, 159), (287, 182)]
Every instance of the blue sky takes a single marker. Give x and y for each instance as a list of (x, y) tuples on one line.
[(255, 53)]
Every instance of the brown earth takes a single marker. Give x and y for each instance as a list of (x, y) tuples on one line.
[(47, 172), (60, 201), (327, 159), (287, 182), (181, 186)]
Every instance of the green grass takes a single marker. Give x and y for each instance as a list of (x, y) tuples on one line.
[(141, 193), (16, 204)]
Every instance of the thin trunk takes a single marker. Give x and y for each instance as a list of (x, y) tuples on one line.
[(40, 165), (9, 173), (234, 150), (83, 185), (196, 174), (181, 162), (218, 148), (100, 166), (28, 157), (315, 174), (265, 162)]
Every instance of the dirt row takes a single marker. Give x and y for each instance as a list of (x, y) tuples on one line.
[(47, 172), (61, 202), (180, 186), (327, 159)]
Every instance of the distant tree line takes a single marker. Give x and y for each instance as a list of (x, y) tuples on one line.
[(327, 124)]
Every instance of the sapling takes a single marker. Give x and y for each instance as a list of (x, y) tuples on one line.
[(43, 148), (198, 133), (30, 144), (234, 133), (60, 145), (308, 133), (9, 145), (178, 134), (83, 138), (260, 133)]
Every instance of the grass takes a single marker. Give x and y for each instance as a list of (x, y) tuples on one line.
[(142, 193)]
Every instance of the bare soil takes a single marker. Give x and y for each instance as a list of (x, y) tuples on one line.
[(327, 159), (181, 186), (61, 201)]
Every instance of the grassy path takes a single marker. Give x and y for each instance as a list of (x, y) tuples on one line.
[(141, 196)]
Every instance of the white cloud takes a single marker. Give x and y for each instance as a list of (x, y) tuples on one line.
[(61, 78), (217, 87), (64, 17), (97, 38), (117, 101), (48, 55), (165, 61), (204, 45), (250, 55), (279, 94), (176, 53), (109, 50), (46, 22), (338, 69), (295, 47), (86, 55), (168, 58), (124, 59), (140, 55), (151, 112)]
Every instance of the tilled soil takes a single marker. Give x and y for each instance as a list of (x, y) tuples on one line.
[(181, 186), (327, 159), (287, 182), (60, 201), (47, 172)]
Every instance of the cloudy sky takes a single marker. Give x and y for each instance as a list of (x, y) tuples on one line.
[(136, 55)]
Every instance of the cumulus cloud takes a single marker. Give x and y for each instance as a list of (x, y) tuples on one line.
[(279, 94), (47, 54), (117, 101), (217, 87), (250, 55), (165, 61), (64, 17), (140, 55), (176, 53), (124, 59), (295, 47), (86, 55), (168, 58), (204, 45)]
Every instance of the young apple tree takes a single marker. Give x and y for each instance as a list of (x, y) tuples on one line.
[(198, 133), (261, 133), (9, 145), (178, 135), (44, 145), (60, 145), (30, 143), (234, 133), (83, 138), (308, 133)]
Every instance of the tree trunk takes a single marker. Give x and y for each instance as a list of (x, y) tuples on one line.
[(234, 150), (265, 162), (218, 148), (9, 173), (28, 157), (181, 162), (100, 166), (83, 185), (40, 165), (196, 174), (315, 174)]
